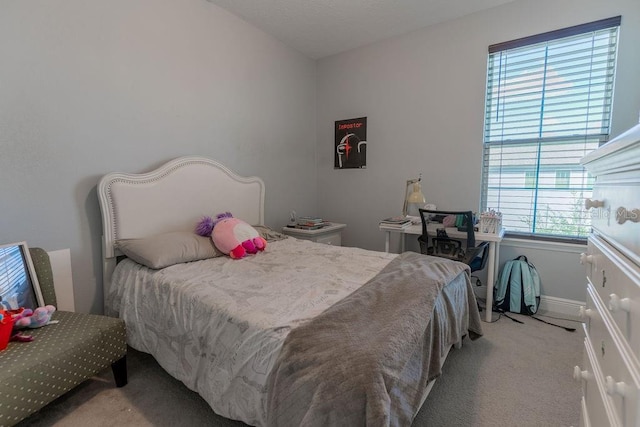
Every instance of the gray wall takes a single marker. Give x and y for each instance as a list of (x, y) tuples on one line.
[(89, 87), (423, 94)]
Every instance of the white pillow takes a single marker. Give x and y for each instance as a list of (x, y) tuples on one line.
[(167, 249)]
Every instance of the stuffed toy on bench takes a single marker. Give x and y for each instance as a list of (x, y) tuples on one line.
[(34, 318)]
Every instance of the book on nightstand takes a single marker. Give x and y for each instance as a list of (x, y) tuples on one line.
[(395, 222), (311, 226), (309, 219), (309, 223)]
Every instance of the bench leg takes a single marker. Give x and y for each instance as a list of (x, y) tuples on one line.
[(119, 368)]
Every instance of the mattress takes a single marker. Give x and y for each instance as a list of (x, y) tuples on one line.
[(218, 325)]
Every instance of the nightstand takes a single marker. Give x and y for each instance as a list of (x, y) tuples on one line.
[(329, 234)]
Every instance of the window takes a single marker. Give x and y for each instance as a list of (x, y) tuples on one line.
[(548, 104), (529, 179), (563, 179), (12, 273), (15, 285)]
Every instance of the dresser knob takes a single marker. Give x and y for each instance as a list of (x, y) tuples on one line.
[(588, 204), (586, 259), (614, 387), (616, 303), (579, 374), (623, 215), (584, 312)]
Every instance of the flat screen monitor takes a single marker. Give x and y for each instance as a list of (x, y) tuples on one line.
[(18, 281)]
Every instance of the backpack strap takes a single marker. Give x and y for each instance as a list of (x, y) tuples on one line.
[(535, 287), (502, 312), (530, 286), (503, 282), (553, 324), (516, 279)]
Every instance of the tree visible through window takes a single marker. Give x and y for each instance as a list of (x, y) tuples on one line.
[(548, 104)]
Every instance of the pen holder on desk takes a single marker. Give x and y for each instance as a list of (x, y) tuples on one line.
[(490, 222)]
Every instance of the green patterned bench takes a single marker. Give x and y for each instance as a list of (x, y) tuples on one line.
[(60, 357)]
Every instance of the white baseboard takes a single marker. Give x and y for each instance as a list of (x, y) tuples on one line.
[(560, 306), (548, 305)]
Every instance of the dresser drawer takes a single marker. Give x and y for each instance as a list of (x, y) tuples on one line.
[(617, 282), (588, 259), (585, 421), (597, 407), (612, 261), (619, 217), (603, 271), (330, 239), (612, 355)]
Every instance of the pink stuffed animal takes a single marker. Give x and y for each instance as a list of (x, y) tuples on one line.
[(232, 236), (40, 317)]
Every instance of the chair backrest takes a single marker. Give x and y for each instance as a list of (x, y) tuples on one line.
[(474, 256), (467, 223)]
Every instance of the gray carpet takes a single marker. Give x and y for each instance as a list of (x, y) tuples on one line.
[(516, 375)]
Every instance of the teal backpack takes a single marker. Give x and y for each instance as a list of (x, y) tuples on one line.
[(518, 291), (518, 287)]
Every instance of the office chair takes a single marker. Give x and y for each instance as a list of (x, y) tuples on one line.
[(444, 246)]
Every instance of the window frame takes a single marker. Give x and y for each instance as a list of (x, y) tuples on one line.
[(601, 138)]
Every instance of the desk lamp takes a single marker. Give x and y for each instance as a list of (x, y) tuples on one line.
[(415, 196)]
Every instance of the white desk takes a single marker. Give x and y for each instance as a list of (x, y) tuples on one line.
[(494, 250)]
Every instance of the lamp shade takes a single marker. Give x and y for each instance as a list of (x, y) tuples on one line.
[(416, 195)]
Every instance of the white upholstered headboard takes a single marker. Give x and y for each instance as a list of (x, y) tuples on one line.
[(173, 197)]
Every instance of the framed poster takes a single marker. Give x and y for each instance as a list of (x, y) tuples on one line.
[(350, 144)]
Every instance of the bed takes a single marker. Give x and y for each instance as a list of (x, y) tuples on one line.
[(300, 334)]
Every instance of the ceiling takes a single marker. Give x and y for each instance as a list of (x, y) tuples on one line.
[(320, 28)]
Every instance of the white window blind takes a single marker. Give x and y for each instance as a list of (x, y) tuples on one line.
[(13, 276), (548, 104)]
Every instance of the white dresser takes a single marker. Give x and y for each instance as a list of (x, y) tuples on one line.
[(610, 371)]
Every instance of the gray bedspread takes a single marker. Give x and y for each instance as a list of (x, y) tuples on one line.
[(349, 366)]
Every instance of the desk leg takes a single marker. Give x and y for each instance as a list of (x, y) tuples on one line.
[(490, 279), (497, 262), (402, 242), (387, 235)]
